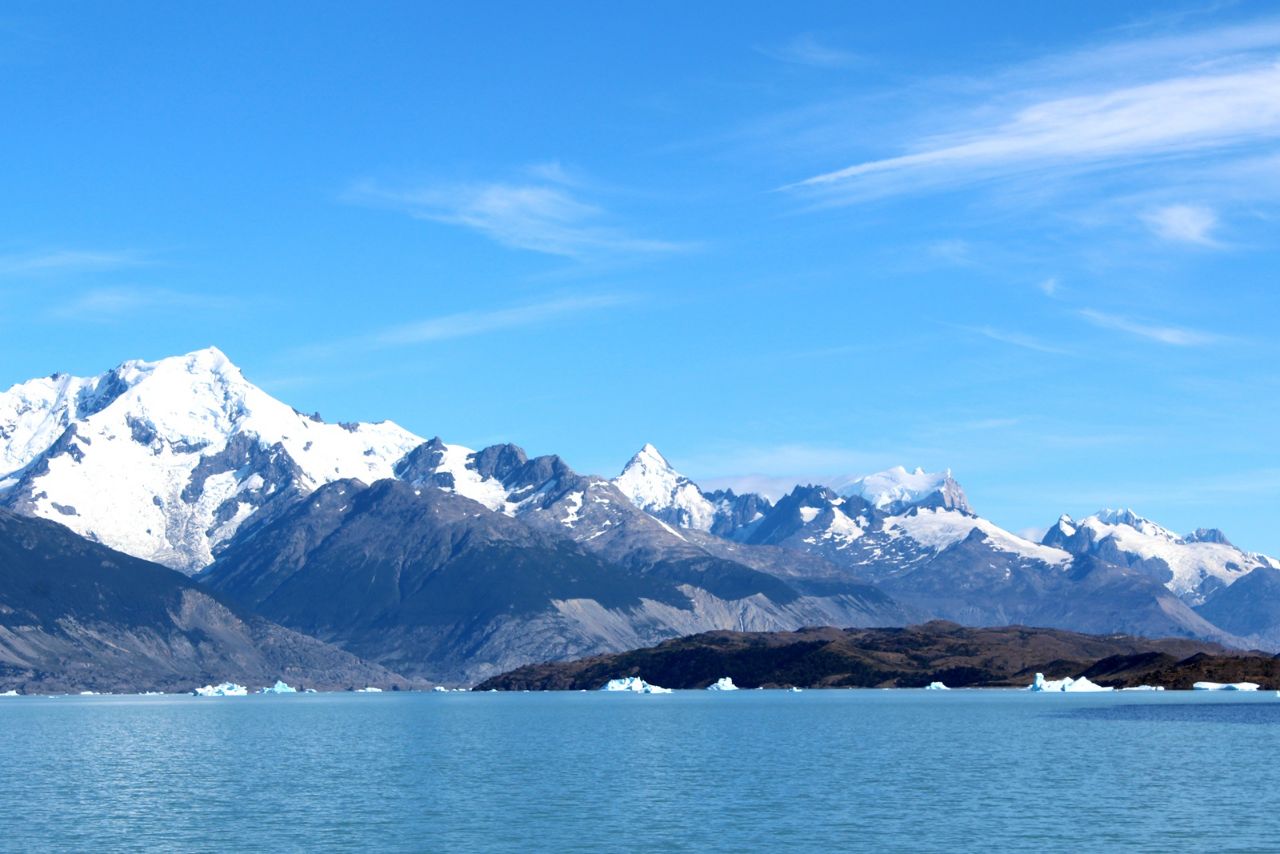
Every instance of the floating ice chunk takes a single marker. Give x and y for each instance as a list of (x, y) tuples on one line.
[(634, 685), (225, 689), (724, 683), (937, 686), (10, 693), (279, 688), (1060, 686), (794, 690), (1144, 688), (309, 691), (1225, 686), (88, 693), (369, 690)]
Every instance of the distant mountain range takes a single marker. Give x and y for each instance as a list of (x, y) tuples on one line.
[(445, 563)]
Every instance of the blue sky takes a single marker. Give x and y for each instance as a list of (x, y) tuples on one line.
[(1037, 245)]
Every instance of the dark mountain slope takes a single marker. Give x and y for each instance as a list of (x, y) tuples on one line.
[(860, 658), (75, 615)]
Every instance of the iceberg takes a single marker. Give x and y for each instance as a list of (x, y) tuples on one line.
[(279, 688), (794, 690), (633, 685), (1064, 686), (369, 690), (1225, 686), (10, 693), (937, 686), (1144, 688), (724, 683), (225, 689)]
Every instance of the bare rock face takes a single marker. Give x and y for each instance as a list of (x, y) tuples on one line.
[(75, 616)]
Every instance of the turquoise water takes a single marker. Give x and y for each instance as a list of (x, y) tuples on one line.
[(692, 771)]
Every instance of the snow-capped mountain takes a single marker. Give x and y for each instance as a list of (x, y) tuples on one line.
[(652, 485), (164, 460), (897, 489), (1192, 566)]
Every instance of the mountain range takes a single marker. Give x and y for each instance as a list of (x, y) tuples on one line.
[(440, 562)]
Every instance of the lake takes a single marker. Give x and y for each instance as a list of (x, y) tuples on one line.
[(691, 771)]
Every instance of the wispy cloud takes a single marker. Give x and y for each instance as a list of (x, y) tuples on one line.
[(109, 304), (1016, 339), (468, 323), (1176, 336), (545, 214), (1165, 118), (1183, 224), (1139, 100), (807, 49), (773, 470), (1049, 287), (67, 261)]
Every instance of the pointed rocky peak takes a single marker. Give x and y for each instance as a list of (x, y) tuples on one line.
[(500, 461), (651, 484), (896, 490)]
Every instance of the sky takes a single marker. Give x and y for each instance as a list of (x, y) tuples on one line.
[(1036, 243)]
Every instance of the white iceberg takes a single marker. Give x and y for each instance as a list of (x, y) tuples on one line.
[(9, 693), (279, 688), (1144, 688), (1225, 686), (1064, 686), (88, 693), (794, 690), (724, 683), (937, 686), (369, 690), (633, 685), (225, 689)]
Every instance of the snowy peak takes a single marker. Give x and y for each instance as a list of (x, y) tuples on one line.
[(1130, 519), (1192, 567), (164, 460), (896, 490), (651, 484)]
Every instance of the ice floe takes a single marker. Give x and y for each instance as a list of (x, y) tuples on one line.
[(1067, 685), (279, 688), (369, 690), (724, 683), (937, 686), (1225, 686), (1144, 688), (225, 689), (9, 694), (633, 685)]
